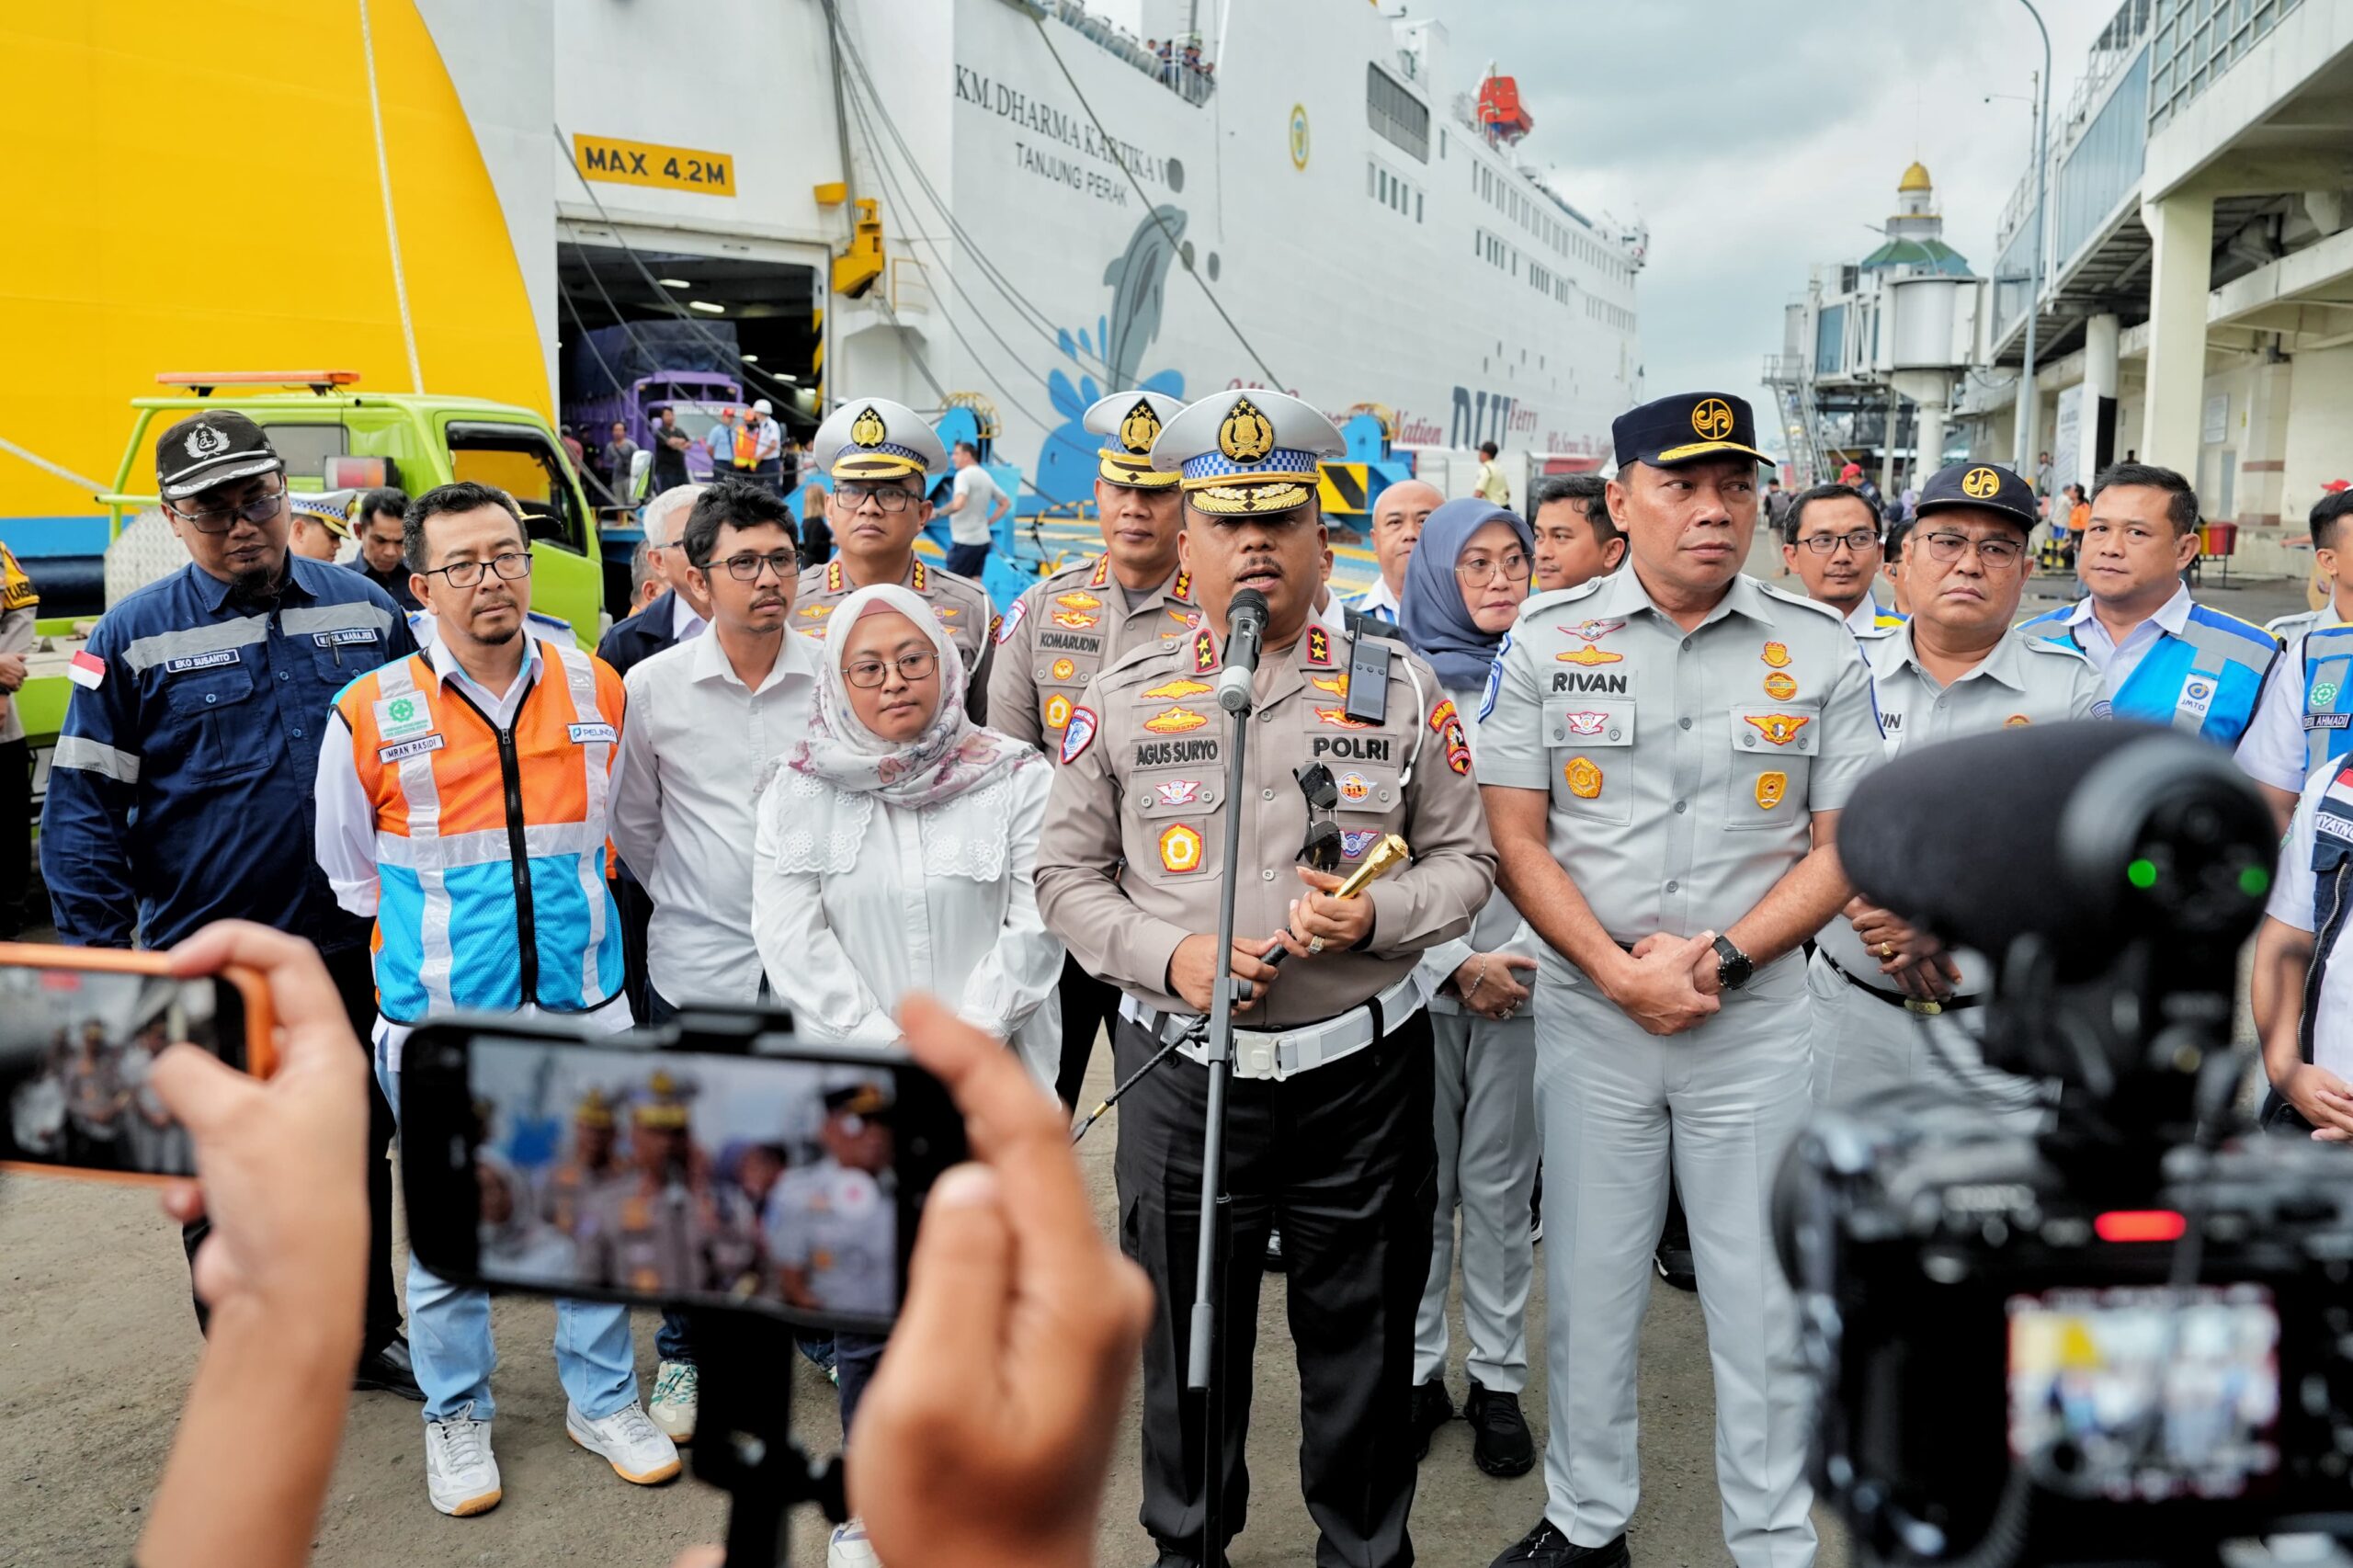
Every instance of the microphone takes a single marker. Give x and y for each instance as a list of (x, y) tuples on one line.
[(1245, 630), (2085, 834)]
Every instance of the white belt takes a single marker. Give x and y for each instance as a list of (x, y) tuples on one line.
[(1278, 1054)]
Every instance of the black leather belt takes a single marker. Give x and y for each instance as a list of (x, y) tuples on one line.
[(1911, 1004)]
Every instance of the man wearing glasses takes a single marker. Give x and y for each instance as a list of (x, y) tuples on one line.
[(1887, 1000), (180, 791), (1830, 538), (880, 458), (462, 803)]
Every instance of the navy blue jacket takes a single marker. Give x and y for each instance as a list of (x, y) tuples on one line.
[(642, 635), (180, 792)]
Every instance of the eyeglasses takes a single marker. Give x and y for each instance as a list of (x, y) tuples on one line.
[(867, 674), (1482, 568), (1997, 554), (1859, 541), (510, 566), (889, 497), (746, 568), (220, 520)]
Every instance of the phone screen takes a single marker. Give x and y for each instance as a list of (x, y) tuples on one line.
[(670, 1176), (2155, 1393), (77, 1049)]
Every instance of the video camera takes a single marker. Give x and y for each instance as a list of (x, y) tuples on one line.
[(2128, 1336)]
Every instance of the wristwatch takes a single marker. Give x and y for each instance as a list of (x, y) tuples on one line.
[(1733, 966)]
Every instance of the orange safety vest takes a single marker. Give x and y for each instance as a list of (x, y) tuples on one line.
[(491, 845)]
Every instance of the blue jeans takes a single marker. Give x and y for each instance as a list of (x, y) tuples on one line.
[(449, 1338)]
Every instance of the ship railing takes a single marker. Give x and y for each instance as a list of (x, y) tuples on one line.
[(1190, 82)]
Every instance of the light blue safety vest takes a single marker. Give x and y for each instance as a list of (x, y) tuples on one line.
[(2325, 655), (2205, 681)]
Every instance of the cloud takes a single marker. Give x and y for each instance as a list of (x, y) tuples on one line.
[(1760, 138)]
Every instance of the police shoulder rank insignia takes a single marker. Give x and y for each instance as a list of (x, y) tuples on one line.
[(1057, 711), (1319, 646), (1102, 572), (833, 574), (1173, 722), (1584, 778), (1204, 651), (1779, 728), (1591, 633), (922, 577), (1180, 848), (1178, 689), (1182, 587), (1079, 735), (996, 628), (1780, 686), (1770, 789)]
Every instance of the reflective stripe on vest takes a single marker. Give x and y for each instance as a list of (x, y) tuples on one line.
[(2204, 682), (2326, 655), (457, 904)]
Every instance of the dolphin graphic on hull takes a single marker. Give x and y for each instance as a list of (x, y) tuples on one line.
[(1138, 278)]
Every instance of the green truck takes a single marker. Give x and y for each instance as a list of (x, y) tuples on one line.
[(333, 436)]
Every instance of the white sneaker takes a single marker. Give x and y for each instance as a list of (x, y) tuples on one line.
[(850, 1548), (628, 1440), (461, 1474), (675, 1389)]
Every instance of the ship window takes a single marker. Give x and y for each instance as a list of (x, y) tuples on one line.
[(1417, 206), (1370, 171), (1396, 115)]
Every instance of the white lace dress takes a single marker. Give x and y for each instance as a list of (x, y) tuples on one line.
[(856, 902)]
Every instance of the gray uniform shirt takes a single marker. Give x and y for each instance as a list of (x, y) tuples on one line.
[(2025, 680), (1684, 767)]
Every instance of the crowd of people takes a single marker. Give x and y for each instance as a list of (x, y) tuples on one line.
[(1615, 759)]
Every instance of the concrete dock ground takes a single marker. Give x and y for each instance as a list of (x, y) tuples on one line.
[(97, 1342)]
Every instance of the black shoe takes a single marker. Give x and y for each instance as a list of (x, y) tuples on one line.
[(1535, 1207), (1499, 1441), (1171, 1558), (388, 1369), (1433, 1408), (1675, 1267), (1546, 1546), (1274, 1264)]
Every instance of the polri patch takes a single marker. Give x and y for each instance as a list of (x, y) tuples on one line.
[(1079, 735), (1013, 619)]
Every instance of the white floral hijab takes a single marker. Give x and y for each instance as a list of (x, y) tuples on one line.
[(954, 772)]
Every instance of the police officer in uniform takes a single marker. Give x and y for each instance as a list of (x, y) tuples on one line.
[(2306, 714), (1329, 1120), (1066, 629), (1958, 667), (661, 1228), (1663, 752), (882, 459)]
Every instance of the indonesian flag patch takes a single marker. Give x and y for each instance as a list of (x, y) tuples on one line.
[(86, 670)]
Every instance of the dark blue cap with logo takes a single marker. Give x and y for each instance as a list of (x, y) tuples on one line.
[(1987, 486), (1685, 428)]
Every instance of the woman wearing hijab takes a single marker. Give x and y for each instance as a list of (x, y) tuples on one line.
[(1463, 588), (893, 855)]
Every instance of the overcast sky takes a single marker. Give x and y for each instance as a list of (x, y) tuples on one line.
[(1758, 137)]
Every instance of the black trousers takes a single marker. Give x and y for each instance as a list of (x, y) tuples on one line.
[(353, 971), (1087, 1004), (15, 837), (1344, 1159)]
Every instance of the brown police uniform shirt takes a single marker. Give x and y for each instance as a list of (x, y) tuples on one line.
[(1067, 630), (1142, 782), (962, 605)]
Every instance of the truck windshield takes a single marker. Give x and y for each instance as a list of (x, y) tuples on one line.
[(521, 461)]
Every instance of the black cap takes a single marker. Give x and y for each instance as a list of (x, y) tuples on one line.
[(208, 449), (1987, 486), (861, 1099), (1685, 428)]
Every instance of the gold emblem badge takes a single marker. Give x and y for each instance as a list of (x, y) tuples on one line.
[(2015, 719), (1338, 719), (1176, 721), (1590, 633), (1780, 686), (1065, 669), (1779, 728), (1776, 654), (1140, 428), (1585, 778), (1980, 482), (1770, 789), (1057, 711), (1180, 848), (868, 429), (1078, 599), (1712, 418), (1336, 684), (1178, 689), (1246, 435), (1077, 620)]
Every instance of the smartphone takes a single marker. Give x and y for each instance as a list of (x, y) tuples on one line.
[(716, 1160), (80, 1028)]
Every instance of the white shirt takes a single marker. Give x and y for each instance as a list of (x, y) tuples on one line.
[(1863, 619), (843, 950), (977, 497), (767, 439), (2292, 905), (2115, 660), (697, 750), (1377, 600), (685, 621)]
